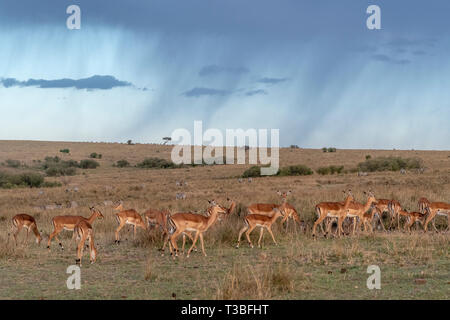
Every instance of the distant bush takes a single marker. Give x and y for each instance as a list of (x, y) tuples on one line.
[(330, 170), (389, 164), (329, 149), (64, 151), (122, 163), (324, 149), (48, 184), (95, 155), (254, 171), (297, 170), (32, 180), (56, 171), (294, 146), (368, 157), (12, 163), (88, 164), (157, 163), (55, 167)]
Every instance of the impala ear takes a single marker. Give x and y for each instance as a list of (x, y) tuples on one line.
[(289, 192), (278, 192)]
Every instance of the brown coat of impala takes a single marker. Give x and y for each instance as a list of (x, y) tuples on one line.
[(182, 222), (131, 217), (83, 231), (332, 210), (257, 220), (437, 208), (61, 223), (28, 222), (355, 209)]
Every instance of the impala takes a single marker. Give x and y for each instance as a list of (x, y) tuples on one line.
[(437, 208), (394, 209), (83, 231), (182, 222), (229, 210), (61, 223), (28, 222), (356, 210), (382, 207), (414, 217), (131, 217), (266, 209), (257, 220), (423, 203), (332, 210)]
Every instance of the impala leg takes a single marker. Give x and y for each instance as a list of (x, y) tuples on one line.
[(193, 244), (121, 225), (18, 228), (184, 241), (173, 241), (433, 223), (203, 245), (55, 235), (340, 222), (380, 219), (134, 232), (240, 234), (28, 233), (80, 248), (427, 221), (189, 235), (260, 237), (318, 221), (271, 233), (247, 234)]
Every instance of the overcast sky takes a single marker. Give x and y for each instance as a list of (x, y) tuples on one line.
[(141, 69)]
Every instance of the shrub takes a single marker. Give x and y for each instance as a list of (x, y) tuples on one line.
[(389, 164), (331, 149), (88, 164), (253, 171), (12, 163), (330, 170), (156, 163), (95, 155), (56, 171), (31, 179), (368, 157), (294, 146), (297, 170), (324, 149), (122, 163), (64, 151)]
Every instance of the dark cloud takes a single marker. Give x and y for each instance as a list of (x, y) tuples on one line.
[(215, 69), (256, 92), (387, 59), (92, 83), (198, 92), (271, 80)]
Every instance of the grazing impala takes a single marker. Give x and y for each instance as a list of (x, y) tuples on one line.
[(332, 210), (437, 208), (382, 207), (28, 222), (182, 222), (229, 210), (83, 231), (257, 220), (131, 217), (61, 223), (355, 209)]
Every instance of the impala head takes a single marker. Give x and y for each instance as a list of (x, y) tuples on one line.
[(118, 206), (371, 197), (96, 212)]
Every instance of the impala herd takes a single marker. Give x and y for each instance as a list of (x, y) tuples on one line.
[(262, 215)]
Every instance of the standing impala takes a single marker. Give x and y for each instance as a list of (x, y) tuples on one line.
[(83, 231), (266, 209), (332, 210), (28, 222), (257, 220), (423, 203), (357, 210), (130, 217), (395, 210), (437, 208), (182, 222), (61, 223)]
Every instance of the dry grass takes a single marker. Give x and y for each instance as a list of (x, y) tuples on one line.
[(299, 268)]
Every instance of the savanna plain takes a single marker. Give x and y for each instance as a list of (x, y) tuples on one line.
[(414, 265)]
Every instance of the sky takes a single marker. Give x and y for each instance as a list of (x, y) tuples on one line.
[(312, 69)]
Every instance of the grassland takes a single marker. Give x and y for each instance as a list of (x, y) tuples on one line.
[(413, 266)]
